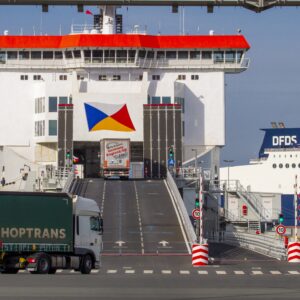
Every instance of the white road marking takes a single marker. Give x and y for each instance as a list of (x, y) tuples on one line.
[(139, 217), (103, 198), (111, 271), (166, 272), (129, 271), (179, 219), (202, 272), (275, 272), (95, 271), (294, 272), (239, 272), (257, 272), (22, 271), (221, 272), (148, 271), (183, 272), (72, 271), (59, 270)]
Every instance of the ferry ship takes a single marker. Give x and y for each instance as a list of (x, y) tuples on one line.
[(271, 181), (97, 82)]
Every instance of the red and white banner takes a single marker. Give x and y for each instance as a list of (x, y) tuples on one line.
[(200, 255), (294, 252)]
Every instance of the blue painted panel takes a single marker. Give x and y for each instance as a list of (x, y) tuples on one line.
[(287, 209), (280, 138)]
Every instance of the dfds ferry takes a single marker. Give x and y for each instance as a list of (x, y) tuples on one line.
[(273, 178)]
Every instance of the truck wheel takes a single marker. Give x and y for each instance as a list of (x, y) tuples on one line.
[(86, 264), (43, 265)]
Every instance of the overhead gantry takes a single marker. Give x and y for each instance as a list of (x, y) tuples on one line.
[(254, 5)]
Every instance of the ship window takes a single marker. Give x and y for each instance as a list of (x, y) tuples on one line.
[(280, 166), (24, 55), (166, 100), (52, 129), (155, 77), (183, 55), (68, 54), (40, 128), (206, 54), (102, 77), (155, 100), (58, 55), (36, 54), (274, 166), (229, 56), (12, 55), (293, 166), (97, 56), (63, 77), (121, 56), (142, 53), (181, 77), (239, 55), (47, 55), (218, 56), (141, 77), (2, 57), (77, 54), (39, 105), (287, 166), (171, 54), (52, 104), (37, 77), (109, 56), (150, 54), (195, 55), (24, 77), (160, 55), (298, 165), (195, 77), (131, 55), (63, 100), (116, 77), (179, 100), (183, 130), (87, 55)]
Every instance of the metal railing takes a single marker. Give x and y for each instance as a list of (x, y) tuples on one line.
[(186, 222), (267, 245), (124, 62), (234, 186)]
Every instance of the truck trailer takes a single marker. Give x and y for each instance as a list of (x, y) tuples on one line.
[(43, 232), (115, 158)]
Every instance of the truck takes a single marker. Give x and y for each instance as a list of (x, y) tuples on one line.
[(115, 158), (43, 232)]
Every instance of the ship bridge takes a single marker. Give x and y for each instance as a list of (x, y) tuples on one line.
[(134, 51)]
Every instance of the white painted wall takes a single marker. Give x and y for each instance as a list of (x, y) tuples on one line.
[(263, 178)]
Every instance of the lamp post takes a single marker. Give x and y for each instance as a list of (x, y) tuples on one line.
[(228, 161), (196, 154)]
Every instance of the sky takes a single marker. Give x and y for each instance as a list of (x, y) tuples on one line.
[(268, 91)]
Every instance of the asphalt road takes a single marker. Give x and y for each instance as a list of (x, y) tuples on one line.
[(140, 214), (139, 217), (161, 277)]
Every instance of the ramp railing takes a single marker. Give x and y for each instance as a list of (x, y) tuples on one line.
[(189, 229), (264, 244)]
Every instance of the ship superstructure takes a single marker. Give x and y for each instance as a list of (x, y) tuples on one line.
[(109, 73)]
